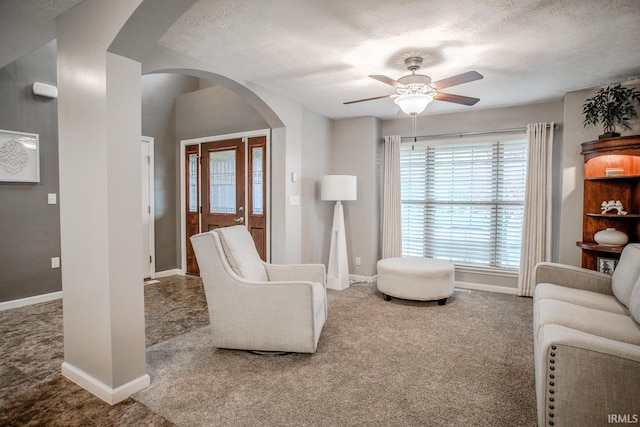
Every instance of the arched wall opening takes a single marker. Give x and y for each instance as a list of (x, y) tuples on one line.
[(179, 108)]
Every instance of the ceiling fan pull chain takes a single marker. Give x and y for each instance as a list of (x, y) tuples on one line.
[(415, 139)]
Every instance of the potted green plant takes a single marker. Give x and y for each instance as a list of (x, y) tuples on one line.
[(611, 106)]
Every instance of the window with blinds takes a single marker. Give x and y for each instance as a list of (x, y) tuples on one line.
[(463, 201)]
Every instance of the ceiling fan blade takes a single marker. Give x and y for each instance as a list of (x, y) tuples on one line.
[(457, 80), (387, 80), (458, 99), (369, 99)]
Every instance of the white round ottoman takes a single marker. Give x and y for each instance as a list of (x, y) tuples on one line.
[(416, 278)]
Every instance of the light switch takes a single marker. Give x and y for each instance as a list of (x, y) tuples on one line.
[(294, 200), (52, 198), (55, 262)]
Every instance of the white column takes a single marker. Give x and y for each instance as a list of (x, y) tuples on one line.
[(99, 122)]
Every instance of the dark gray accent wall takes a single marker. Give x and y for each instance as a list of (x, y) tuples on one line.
[(29, 226), (159, 92)]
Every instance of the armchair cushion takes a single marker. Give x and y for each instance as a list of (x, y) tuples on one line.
[(241, 253), (626, 273)]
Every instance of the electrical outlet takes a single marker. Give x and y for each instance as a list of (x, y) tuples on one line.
[(358, 261)]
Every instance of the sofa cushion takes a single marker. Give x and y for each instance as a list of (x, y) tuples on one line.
[(604, 324), (634, 306), (580, 297), (241, 253), (626, 273)]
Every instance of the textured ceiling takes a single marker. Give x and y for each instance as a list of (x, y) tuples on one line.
[(320, 52)]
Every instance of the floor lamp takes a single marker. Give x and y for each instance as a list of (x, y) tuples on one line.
[(338, 188)]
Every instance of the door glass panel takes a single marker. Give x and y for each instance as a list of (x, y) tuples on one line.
[(257, 173), (222, 181), (193, 182)]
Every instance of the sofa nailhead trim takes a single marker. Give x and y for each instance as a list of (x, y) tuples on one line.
[(551, 392)]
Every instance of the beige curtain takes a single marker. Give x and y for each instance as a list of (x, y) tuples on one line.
[(536, 230), (391, 228)]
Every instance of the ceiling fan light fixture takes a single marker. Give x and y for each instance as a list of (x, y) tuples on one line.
[(413, 104)]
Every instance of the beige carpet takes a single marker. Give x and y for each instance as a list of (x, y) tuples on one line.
[(379, 363)]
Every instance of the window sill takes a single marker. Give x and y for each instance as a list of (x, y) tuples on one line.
[(489, 271)]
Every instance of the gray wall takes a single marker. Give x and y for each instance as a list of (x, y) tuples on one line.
[(159, 92), (356, 151), (573, 170), (177, 107), (212, 111), (317, 215), (29, 227)]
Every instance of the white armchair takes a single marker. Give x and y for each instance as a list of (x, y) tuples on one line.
[(258, 306)]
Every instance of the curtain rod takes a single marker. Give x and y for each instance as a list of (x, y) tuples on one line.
[(462, 134)]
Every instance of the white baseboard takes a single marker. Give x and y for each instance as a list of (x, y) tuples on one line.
[(100, 389), (167, 273), (23, 302), (488, 288)]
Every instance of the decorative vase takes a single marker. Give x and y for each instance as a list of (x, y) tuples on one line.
[(611, 237)]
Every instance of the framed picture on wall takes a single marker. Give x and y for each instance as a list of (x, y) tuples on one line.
[(607, 265), (19, 156)]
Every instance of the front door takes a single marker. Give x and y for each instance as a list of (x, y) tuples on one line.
[(192, 193), (226, 184), (257, 201), (223, 183)]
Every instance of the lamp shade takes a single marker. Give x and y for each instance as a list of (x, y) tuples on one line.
[(339, 187), (413, 104)]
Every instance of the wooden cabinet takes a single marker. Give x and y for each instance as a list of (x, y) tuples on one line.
[(600, 185)]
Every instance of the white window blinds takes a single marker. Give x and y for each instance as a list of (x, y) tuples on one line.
[(463, 201)]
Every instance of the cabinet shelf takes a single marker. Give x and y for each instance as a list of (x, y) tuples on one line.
[(613, 178), (609, 216), (591, 246), (600, 156)]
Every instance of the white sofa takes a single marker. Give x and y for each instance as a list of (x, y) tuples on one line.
[(587, 343), (258, 306)]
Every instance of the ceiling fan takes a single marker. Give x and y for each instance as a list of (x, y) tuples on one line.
[(416, 91)]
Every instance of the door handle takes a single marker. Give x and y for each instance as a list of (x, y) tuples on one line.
[(241, 219)]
